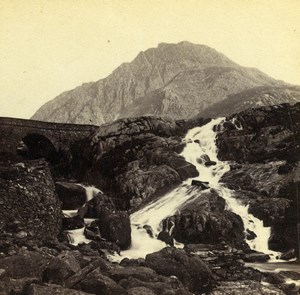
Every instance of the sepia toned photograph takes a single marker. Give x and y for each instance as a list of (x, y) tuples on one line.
[(150, 147)]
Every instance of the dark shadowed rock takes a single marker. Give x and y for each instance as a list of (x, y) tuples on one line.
[(190, 270), (94, 207), (205, 220), (142, 273), (256, 257), (75, 222), (115, 227), (288, 255), (97, 283), (72, 195), (60, 268), (133, 262), (202, 184)]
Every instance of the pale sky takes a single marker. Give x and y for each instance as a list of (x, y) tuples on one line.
[(47, 47)]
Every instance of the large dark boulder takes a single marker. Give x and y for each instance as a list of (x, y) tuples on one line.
[(60, 268), (97, 283), (75, 222), (94, 207), (28, 200), (72, 195), (115, 227), (205, 220), (190, 270)]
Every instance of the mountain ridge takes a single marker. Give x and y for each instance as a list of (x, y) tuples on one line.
[(173, 80)]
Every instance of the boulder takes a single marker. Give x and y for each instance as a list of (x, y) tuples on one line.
[(142, 273), (92, 232), (288, 255), (132, 262), (97, 283), (210, 163), (149, 230), (115, 227), (72, 195), (93, 208), (205, 220), (256, 257), (75, 222), (166, 237), (201, 184), (190, 270), (60, 268), (250, 235)]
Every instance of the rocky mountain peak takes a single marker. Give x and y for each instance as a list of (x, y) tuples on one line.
[(172, 80)]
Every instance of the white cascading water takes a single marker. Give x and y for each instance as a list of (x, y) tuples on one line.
[(199, 141), (76, 236)]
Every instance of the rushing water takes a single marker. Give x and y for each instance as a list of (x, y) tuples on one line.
[(199, 141), (76, 236)]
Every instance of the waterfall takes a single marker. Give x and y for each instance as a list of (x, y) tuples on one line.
[(199, 141), (76, 236)]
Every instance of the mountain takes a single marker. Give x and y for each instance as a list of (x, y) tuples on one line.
[(252, 98), (173, 80)]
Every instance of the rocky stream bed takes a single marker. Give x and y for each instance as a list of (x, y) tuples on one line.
[(123, 167)]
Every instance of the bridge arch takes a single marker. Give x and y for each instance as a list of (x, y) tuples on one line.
[(36, 146)]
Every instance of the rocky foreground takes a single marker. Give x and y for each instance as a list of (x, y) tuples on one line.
[(134, 161)]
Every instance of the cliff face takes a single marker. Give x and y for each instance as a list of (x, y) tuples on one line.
[(172, 80)]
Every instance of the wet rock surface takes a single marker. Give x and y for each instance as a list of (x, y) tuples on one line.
[(136, 159), (263, 147), (205, 220)]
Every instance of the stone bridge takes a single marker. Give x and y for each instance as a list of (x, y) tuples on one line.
[(39, 139)]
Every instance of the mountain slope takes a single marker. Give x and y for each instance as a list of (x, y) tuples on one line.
[(252, 98), (173, 80)]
